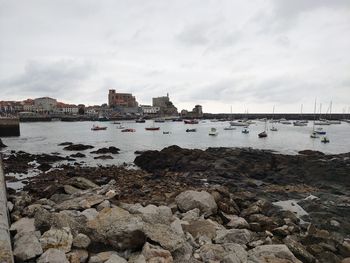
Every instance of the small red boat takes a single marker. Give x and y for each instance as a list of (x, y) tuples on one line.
[(98, 128), (128, 130), (190, 121), (152, 128)]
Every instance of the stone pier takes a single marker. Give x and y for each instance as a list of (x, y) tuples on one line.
[(5, 239), (9, 127)]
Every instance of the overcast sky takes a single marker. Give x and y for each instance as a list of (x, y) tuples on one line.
[(248, 54)]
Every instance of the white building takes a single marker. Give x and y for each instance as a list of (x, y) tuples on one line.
[(148, 109), (45, 104)]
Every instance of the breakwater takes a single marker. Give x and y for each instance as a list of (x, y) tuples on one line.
[(9, 127)]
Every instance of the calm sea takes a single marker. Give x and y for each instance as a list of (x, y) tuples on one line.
[(44, 138)]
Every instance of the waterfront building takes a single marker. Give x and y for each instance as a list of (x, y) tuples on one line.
[(148, 109), (197, 112), (28, 105), (45, 104), (166, 107), (69, 109), (121, 99)]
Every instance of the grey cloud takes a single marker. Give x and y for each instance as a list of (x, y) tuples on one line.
[(194, 35), (48, 78)]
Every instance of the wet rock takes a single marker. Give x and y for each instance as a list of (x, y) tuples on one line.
[(328, 257), (153, 253), (71, 189), (65, 143), (103, 157), (204, 201), (111, 149), (344, 248), (78, 155), (53, 255), (272, 253), (81, 241), (2, 145), (60, 239), (26, 246), (23, 225), (298, 250), (239, 236), (82, 183), (126, 234), (81, 202), (77, 147)]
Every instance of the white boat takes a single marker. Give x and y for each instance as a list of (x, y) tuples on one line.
[(239, 123), (120, 127), (334, 122), (245, 130), (314, 135), (299, 123), (213, 132), (230, 128), (273, 128), (325, 139), (322, 122), (285, 122)]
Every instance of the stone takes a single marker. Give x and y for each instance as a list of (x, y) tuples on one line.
[(81, 202), (81, 241), (104, 204), (281, 231), (272, 253), (118, 228), (101, 257), (60, 239), (201, 227), (89, 213), (25, 224), (235, 221), (154, 214), (78, 256), (114, 258), (26, 246), (344, 248), (53, 255), (191, 215), (82, 183), (345, 260), (190, 199), (71, 189), (298, 250), (230, 253), (110, 194), (153, 253), (239, 236)]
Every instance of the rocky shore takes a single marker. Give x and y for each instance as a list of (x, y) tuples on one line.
[(218, 205)]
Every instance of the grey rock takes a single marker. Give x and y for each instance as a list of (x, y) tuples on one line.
[(78, 255), (24, 224), (153, 253), (271, 253), (26, 246), (298, 250), (239, 236), (114, 258), (71, 189), (204, 201), (235, 221), (104, 204), (61, 239), (53, 255), (81, 241), (154, 214), (191, 215), (90, 213)]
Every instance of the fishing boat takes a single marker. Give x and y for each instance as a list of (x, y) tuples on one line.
[(190, 121), (230, 128), (166, 132), (264, 133), (152, 128), (321, 132), (191, 130), (245, 130), (322, 122), (177, 119), (140, 120), (120, 127), (128, 130), (98, 128), (239, 123), (273, 128), (116, 122), (213, 132), (285, 122), (159, 120), (299, 123), (325, 139), (314, 135)]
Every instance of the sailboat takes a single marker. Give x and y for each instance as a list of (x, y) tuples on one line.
[(300, 122), (330, 116), (264, 133), (273, 128), (314, 135), (213, 132), (152, 128)]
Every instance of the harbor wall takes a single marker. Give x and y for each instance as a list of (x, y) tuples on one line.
[(9, 127), (5, 239)]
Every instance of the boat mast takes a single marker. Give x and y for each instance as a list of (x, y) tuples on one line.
[(313, 126)]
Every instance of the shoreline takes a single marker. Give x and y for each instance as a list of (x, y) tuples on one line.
[(249, 187)]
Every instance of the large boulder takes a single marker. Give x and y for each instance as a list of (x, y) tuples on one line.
[(24, 224), (155, 214), (229, 253), (239, 236), (299, 250), (26, 246), (272, 253), (81, 241), (190, 199), (53, 255), (201, 228), (60, 239), (153, 253), (118, 228)]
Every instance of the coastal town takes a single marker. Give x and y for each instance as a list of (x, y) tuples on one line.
[(118, 106)]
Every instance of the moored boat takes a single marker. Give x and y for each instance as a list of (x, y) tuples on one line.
[(314, 135), (152, 128), (120, 127), (230, 128), (128, 130), (325, 139), (191, 130), (273, 128), (239, 123), (213, 132), (140, 120), (98, 128), (190, 121), (245, 130), (262, 134), (299, 123)]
